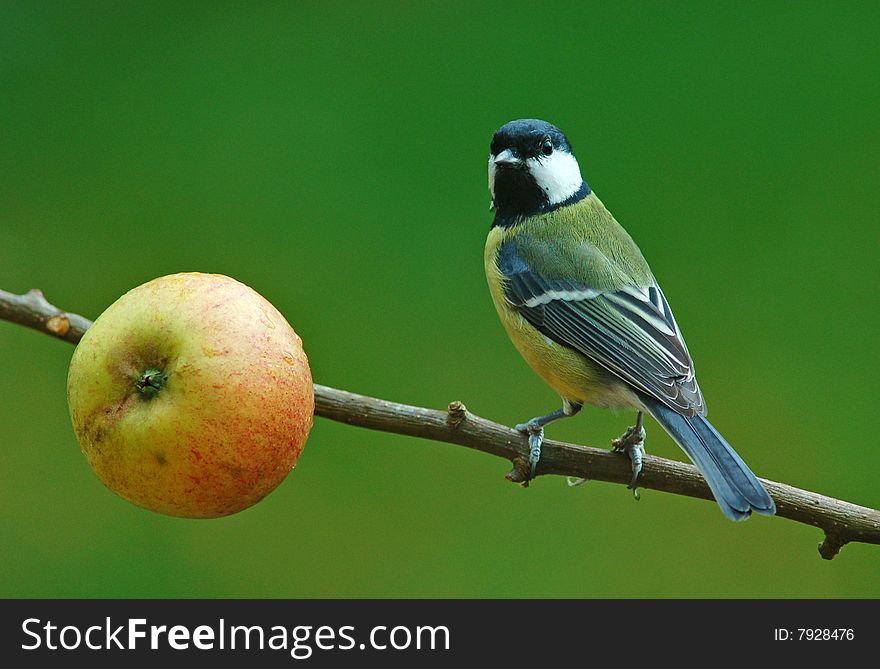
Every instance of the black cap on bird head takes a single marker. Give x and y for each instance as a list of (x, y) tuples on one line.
[(526, 136)]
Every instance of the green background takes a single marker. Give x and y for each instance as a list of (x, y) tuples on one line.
[(333, 156)]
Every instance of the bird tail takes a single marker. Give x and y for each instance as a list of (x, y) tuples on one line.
[(736, 489)]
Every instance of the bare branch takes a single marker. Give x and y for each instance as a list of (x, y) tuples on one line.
[(32, 310), (842, 522)]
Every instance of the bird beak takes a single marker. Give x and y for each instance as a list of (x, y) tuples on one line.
[(506, 159)]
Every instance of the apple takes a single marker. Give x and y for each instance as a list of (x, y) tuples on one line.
[(191, 395)]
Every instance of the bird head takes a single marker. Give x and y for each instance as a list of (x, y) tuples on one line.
[(531, 168)]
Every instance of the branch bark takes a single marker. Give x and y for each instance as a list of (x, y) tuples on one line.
[(33, 311), (842, 522)]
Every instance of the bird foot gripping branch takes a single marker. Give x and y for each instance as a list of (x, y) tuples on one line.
[(632, 442), (535, 432)]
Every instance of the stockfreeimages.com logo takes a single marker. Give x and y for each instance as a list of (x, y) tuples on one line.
[(300, 641)]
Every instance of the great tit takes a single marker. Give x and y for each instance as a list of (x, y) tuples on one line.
[(583, 308)]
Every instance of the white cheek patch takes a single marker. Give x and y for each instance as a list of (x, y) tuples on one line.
[(558, 175)]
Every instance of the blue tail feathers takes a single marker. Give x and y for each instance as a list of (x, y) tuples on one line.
[(736, 489)]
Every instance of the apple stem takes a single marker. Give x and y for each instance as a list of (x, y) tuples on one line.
[(151, 382)]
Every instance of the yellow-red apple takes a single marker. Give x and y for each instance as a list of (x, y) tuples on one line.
[(191, 395)]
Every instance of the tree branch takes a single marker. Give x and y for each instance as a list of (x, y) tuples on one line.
[(842, 522), (32, 310)]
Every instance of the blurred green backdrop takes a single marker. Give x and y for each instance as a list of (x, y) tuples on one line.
[(332, 156)]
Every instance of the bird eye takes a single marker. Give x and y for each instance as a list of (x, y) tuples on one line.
[(547, 146)]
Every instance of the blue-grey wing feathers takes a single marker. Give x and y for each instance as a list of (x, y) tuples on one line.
[(630, 332)]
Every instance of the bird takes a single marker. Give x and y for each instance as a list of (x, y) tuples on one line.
[(582, 307)]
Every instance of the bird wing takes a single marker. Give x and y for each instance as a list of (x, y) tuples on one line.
[(629, 331)]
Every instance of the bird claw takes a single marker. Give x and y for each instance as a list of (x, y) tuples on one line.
[(632, 442), (536, 437)]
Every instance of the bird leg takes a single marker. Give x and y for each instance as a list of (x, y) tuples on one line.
[(535, 430), (632, 442)]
